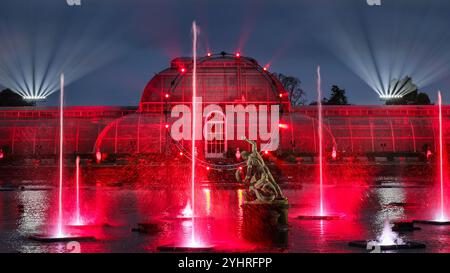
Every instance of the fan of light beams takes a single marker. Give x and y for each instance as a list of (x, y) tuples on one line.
[(40, 39), (391, 46)]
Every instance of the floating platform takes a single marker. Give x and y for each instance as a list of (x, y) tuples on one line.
[(320, 217), (184, 248), (47, 238), (147, 228), (90, 226), (401, 204), (404, 226), (187, 218), (7, 189), (432, 222), (406, 245)]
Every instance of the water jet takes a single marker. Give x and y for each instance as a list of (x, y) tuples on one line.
[(322, 215), (441, 219)]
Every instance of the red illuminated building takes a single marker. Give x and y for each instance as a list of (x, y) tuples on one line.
[(223, 79)]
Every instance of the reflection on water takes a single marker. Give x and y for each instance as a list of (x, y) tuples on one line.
[(366, 208)]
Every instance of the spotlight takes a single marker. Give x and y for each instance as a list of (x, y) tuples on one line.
[(265, 68), (390, 97), (34, 97), (237, 54), (209, 54)]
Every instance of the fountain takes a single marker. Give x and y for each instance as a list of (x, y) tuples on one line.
[(60, 234), (388, 240), (441, 218), (78, 221), (322, 215), (194, 244)]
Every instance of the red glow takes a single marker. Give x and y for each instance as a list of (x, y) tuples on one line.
[(207, 168), (238, 54), (283, 126), (281, 95), (238, 154), (167, 126), (98, 156), (240, 168), (266, 152), (167, 96), (181, 153), (2, 155), (209, 54), (182, 70), (265, 68), (334, 153)]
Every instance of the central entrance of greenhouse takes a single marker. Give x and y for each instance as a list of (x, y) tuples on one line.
[(215, 135)]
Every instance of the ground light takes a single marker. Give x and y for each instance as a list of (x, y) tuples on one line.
[(388, 240), (404, 226)]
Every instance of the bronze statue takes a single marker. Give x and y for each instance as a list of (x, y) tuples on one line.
[(262, 185)]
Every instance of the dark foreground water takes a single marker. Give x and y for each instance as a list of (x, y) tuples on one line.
[(34, 210)]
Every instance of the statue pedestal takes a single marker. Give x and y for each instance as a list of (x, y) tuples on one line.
[(266, 222)]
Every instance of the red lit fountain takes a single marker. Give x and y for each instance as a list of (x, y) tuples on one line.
[(322, 214), (60, 235), (441, 216), (194, 243)]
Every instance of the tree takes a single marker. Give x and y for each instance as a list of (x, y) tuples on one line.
[(337, 96), (8, 98), (423, 99), (292, 85)]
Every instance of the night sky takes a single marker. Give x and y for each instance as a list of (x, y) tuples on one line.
[(110, 49)]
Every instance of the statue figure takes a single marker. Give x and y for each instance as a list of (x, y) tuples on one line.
[(262, 185)]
